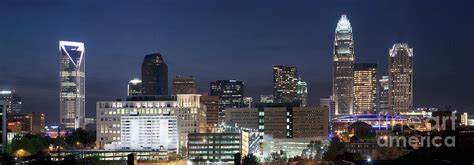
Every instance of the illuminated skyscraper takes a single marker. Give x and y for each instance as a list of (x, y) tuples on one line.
[(343, 70), (72, 84), (154, 75), (383, 91), (134, 87), (230, 92), (285, 79), (400, 64), (365, 88), (302, 92)]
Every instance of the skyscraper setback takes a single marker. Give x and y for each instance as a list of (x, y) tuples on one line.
[(365, 88), (400, 64), (285, 79), (154, 75), (72, 84), (343, 70)]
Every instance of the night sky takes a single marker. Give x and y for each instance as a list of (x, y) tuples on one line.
[(232, 40)]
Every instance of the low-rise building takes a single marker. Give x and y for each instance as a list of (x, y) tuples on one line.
[(217, 147), (282, 120), (31, 123)]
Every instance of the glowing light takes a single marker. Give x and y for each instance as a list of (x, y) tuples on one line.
[(401, 47), (343, 24), (79, 46), (5, 92)]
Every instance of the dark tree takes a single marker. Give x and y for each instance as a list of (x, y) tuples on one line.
[(33, 144), (81, 138), (250, 159), (336, 147)]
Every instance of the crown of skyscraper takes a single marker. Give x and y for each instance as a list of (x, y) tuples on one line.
[(401, 46), (343, 25)]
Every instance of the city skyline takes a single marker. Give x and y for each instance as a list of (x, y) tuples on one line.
[(184, 58)]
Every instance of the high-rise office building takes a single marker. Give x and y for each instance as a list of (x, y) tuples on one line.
[(302, 93), (231, 94), (212, 111), (383, 90), (14, 101), (329, 102), (400, 64), (72, 84), (285, 79), (343, 70), (365, 88), (184, 85), (134, 87), (154, 75)]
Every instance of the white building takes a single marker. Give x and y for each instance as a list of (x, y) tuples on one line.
[(470, 122), (191, 116), (464, 119), (147, 133)]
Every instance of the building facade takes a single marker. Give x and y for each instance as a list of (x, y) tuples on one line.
[(3, 125), (285, 79), (13, 100), (302, 93), (281, 120), (212, 111), (365, 88), (30, 122), (400, 64), (330, 104), (343, 69), (383, 91), (72, 84), (217, 147), (134, 87), (230, 93), (187, 108), (154, 75), (158, 133), (184, 85)]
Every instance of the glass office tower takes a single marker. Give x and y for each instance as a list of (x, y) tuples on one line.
[(154, 75), (365, 88), (285, 79), (231, 94), (72, 85), (343, 70), (400, 64)]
